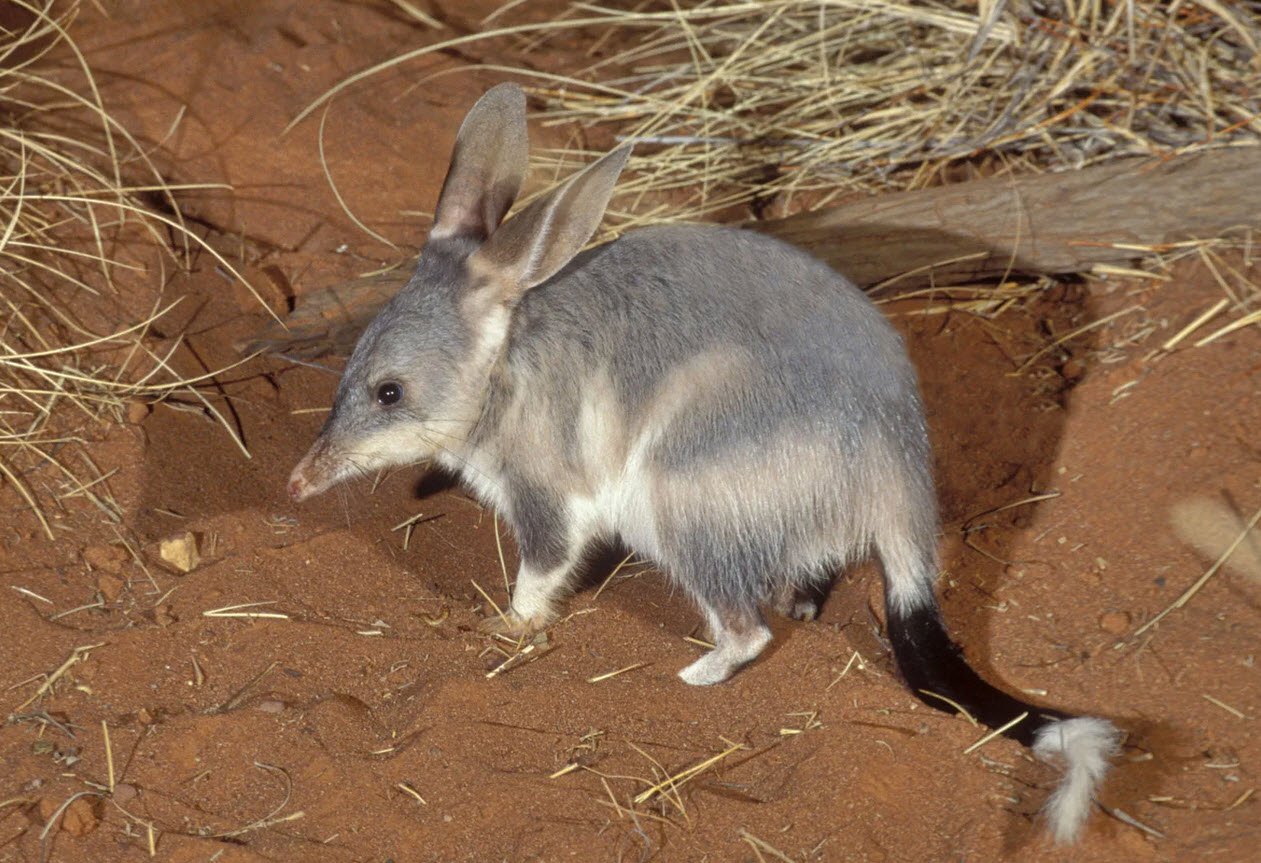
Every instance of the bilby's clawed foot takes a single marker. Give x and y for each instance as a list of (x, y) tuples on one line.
[(739, 638), (512, 625)]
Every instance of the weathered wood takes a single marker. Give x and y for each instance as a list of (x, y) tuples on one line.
[(1045, 223)]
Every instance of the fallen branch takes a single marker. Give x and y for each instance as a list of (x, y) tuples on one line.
[(1041, 224)]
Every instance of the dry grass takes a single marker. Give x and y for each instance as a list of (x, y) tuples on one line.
[(784, 105), (763, 108), (1230, 262), (83, 243), (672, 782), (781, 105)]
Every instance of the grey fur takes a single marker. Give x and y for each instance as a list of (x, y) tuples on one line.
[(782, 466), (724, 402)]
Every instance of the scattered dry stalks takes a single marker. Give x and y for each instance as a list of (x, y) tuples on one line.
[(786, 104), (89, 232)]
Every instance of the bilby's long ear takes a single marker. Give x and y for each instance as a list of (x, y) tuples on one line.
[(534, 244), (487, 166)]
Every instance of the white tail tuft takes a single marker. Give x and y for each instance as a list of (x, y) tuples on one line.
[(1085, 744)]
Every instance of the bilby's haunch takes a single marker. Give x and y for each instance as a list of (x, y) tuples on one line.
[(725, 404)]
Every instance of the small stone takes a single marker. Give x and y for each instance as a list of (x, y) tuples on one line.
[(163, 616), (180, 552), (271, 705), (107, 558), (110, 586), (124, 793), (80, 817), (281, 289), (1115, 622), (144, 716), (137, 411), (1073, 370), (45, 808)]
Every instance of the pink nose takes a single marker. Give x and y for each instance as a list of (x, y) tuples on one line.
[(297, 489)]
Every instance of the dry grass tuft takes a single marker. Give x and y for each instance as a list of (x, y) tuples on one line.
[(83, 243), (672, 782), (787, 104), (765, 108), (782, 105)]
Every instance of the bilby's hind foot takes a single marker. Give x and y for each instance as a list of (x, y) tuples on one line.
[(739, 637)]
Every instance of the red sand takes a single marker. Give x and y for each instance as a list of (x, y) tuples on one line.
[(294, 739)]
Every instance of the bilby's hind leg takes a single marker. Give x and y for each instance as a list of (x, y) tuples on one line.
[(739, 635)]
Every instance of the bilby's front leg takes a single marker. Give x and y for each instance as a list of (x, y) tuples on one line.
[(552, 535)]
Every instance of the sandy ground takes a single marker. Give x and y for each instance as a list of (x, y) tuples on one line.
[(359, 724)]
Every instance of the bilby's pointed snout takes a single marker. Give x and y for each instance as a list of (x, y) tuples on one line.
[(306, 481), (297, 488)]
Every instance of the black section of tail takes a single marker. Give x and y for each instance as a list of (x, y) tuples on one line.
[(931, 662)]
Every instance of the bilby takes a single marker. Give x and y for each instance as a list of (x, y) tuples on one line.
[(727, 405)]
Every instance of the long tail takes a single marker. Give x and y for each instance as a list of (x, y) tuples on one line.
[(936, 671)]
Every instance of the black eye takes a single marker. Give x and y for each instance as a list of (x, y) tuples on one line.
[(389, 393)]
